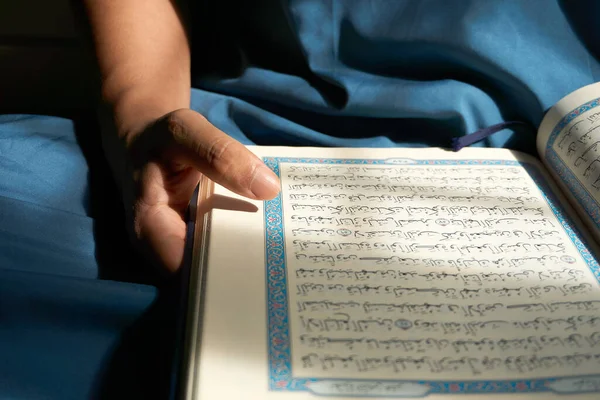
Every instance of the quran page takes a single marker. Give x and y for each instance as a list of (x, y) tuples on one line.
[(569, 144), (400, 273)]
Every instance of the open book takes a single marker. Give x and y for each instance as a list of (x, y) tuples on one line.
[(405, 273)]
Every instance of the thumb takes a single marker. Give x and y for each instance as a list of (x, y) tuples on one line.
[(221, 158)]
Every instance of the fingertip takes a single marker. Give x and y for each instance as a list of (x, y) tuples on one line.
[(265, 184), (221, 158)]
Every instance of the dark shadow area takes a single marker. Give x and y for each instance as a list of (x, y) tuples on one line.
[(582, 15), (141, 365), (230, 35), (44, 77), (117, 259)]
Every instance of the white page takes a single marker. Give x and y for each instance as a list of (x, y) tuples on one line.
[(256, 344), (569, 144)]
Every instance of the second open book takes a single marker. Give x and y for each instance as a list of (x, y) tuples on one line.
[(406, 273)]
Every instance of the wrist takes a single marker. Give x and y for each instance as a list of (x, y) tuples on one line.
[(122, 118), (135, 109)]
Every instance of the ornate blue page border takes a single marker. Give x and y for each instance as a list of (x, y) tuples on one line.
[(281, 376), (591, 206)]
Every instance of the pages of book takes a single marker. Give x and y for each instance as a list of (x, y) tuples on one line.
[(569, 144), (398, 273)]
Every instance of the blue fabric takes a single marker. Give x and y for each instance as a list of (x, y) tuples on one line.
[(44, 221), (63, 333), (58, 335), (415, 73), (322, 72)]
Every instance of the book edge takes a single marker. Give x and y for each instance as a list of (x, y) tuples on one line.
[(195, 289)]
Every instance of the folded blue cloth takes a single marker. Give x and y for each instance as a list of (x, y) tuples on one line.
[(390, 73), (63, 333)]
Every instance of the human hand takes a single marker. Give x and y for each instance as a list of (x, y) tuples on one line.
[(166, 160)]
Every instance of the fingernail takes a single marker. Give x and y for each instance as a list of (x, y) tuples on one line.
[(265, 184)]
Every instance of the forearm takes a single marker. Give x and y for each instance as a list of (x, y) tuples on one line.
[(143, 59)]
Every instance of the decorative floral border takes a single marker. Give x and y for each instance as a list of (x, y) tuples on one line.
[(279, 348)]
